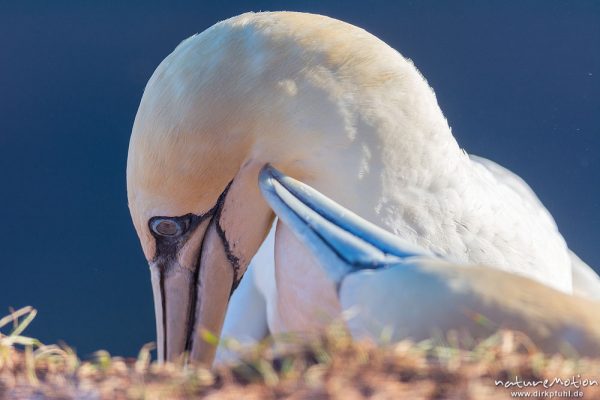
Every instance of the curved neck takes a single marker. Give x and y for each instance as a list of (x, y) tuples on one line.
[(360, 144)]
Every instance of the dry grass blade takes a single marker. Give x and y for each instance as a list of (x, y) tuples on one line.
[(14, 337), (15, 315), (144, 358)]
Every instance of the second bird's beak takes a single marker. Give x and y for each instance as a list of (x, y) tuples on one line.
[(190, 303), (342, 241)]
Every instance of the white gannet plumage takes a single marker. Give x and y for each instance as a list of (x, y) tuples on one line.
[(395, 291), (334, 107)]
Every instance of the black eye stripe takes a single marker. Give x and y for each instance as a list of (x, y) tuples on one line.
[(172, 227), (171, 233)]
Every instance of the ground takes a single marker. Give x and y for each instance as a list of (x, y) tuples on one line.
[(332, 366)]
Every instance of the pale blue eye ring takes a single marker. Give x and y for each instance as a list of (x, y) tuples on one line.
[(166, 227)]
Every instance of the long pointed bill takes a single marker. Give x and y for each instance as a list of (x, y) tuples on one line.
[(189, 304), (341, 240)]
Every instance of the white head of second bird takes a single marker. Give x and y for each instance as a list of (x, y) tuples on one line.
[(330, 105)]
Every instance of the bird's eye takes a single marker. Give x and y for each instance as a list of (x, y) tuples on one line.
[(167, 227)]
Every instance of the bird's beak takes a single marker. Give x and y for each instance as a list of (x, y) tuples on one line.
[(190, 304), (341, 240)]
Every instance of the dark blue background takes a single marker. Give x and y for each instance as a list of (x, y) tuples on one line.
[(518, 81)]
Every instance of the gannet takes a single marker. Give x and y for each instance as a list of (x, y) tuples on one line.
[(336, 108), (397, 291)]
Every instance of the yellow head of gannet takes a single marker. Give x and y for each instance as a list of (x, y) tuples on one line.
[(333, 106)]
